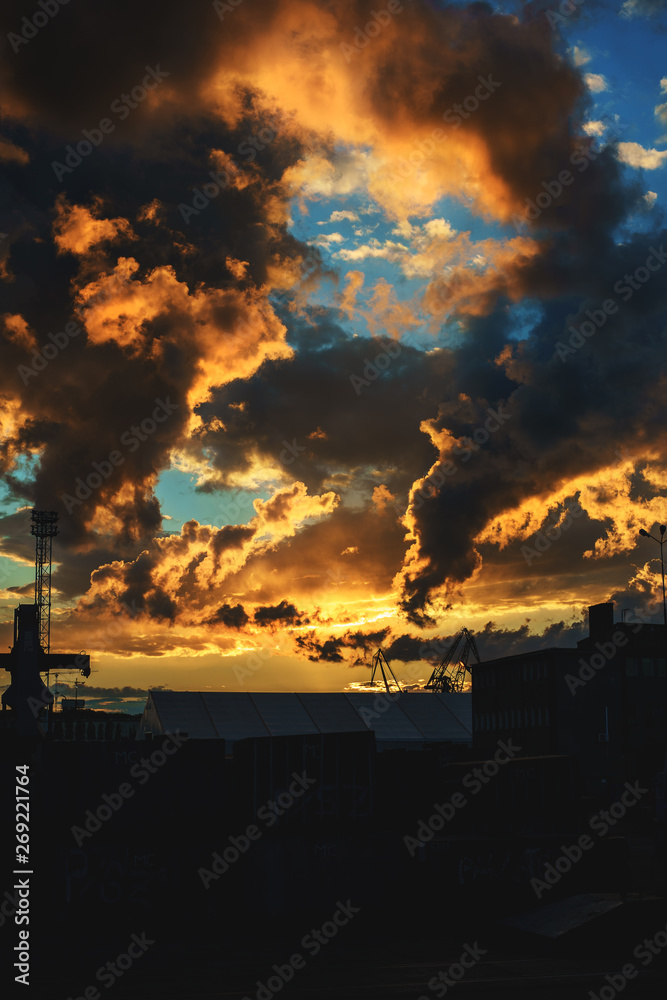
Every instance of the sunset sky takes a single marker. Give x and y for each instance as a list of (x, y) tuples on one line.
[(291, 326)]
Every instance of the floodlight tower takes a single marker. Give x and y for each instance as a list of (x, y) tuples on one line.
[(44, 527)]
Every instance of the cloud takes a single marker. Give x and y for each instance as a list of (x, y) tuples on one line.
[(233, 617), (340, 215), (642, 8), (283, 613), (336, 649), (387, 501), (9, 152), (328, 238), (580, 56), (77, 228), (638, 156), (596, 82)]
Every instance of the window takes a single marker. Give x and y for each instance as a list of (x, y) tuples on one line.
[(631, 669), (662, 671), (532, 716), (647, 667)]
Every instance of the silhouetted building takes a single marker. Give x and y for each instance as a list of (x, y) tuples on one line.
[(604, 700), (409, 720)]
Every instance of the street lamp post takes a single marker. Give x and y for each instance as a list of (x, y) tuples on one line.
[(661, 542)]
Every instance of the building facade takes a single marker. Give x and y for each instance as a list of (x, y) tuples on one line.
[(604, 700)]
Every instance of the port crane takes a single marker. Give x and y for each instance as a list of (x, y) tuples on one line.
[(31, 655), (380, 661), (451, 673)]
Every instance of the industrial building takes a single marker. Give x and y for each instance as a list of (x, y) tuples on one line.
[(407, 720), (604, 700)]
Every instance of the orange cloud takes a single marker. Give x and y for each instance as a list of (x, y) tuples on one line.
[(76, 229)]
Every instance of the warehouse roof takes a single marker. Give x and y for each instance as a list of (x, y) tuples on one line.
[(412, 717)]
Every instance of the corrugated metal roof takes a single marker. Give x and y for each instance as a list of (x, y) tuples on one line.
[(235, 715), (409, 718), (385, 717), (283, 714), (184, 711), (331, 715), (433, 717)]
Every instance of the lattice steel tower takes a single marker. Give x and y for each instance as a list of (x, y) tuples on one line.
[(44, 527)]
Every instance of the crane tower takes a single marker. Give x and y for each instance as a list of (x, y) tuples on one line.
[(44, 528), (451, 672)]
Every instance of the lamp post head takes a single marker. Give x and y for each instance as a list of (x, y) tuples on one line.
[(644, 533), (663, 528)]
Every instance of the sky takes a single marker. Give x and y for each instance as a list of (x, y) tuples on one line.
[(328, 326)]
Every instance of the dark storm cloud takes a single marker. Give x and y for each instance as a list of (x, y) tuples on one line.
[(284, 612), (76, 65), (233, 616), (82, 404), (413, 647), (335, 648), (572, 407), (493, 642), (306, 415), (567, 414)]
